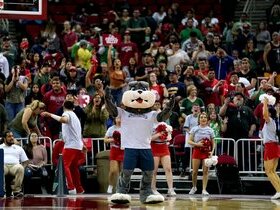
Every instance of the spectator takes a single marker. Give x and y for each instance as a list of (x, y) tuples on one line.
[(15, 89), (9, 51), (192, 98), (147, 67), (190, 122), (127, 50), (34, 94), (159, 14), (190, 78), (221, 63), (117, 78), (15, 160), (177, 56), (159, 89), (42, 77), (37, 155), (75, 79), (191, 44), (186, 32), (248, 74), (240, 118), (5, 68), (69, 37), (262, 36), (83, 56), (202, 139), (137, 26), (271, 56), (26, 120), (113, 137), (96, 116), (53, 100)]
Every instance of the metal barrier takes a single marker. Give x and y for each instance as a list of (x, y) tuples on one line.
[(226, 146), (249, 156), (98, 145)]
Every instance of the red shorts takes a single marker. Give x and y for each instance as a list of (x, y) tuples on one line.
[(160, 150), (271, 150), (116, 154), (197, 154)]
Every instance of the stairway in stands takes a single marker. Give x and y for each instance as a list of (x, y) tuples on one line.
[(257, 11)]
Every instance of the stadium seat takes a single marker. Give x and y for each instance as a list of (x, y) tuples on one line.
[(178, 149)]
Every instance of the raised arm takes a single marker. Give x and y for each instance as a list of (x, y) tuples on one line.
[(110, 106), (165, 113)]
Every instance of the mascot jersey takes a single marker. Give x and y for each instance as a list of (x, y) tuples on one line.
[(137, 129)]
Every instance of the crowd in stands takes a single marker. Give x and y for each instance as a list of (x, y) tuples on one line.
[(218, 66)]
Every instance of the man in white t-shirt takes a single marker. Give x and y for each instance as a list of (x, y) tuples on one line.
[(73, 145), (15, 160)]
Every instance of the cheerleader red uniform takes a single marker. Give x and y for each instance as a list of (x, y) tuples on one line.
[(160, 148), (271, 150), (116, 153), (202, 153)]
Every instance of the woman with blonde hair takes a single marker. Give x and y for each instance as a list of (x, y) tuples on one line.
[(27, 120)]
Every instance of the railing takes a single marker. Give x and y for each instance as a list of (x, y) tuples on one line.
[(248, 153), (249, 7)]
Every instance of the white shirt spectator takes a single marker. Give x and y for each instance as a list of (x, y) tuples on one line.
[(13, 154), (184, 21), (4, 65), (179, 57), (159, 17)]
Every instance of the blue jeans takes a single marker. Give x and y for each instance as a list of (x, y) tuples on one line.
[(12, 109)]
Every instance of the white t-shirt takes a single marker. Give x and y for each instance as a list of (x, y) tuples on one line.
[(189, 123), (200, 133), (269, 131), (72, 131), (13, 154), (110, 132), (137, 129)]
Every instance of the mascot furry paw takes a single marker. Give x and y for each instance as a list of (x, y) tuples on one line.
[(137, 122)]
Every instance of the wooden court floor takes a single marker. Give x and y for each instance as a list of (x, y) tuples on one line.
[(181, 202)]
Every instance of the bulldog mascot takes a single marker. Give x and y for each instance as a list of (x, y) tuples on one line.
[(137, 120)]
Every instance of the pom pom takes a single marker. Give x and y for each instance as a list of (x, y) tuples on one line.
[(207, 145), (271, 99), (209, 162), (117, 137), (166, 129)]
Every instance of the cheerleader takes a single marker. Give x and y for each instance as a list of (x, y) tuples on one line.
[(161, 154), (202, 139), (113, 136), (271, 148)]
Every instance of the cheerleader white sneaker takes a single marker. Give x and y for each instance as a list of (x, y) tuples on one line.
[(276, 196), (205, 193), (193, 191)]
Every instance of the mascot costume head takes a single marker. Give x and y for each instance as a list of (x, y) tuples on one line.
[(137, 122)]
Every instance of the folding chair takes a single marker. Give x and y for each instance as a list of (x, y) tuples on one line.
[(178, 149), (228, 178)]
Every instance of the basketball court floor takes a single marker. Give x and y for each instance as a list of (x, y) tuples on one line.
[(181, 202)]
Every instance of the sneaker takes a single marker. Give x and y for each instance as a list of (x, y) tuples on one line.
[(155, 192), (276, 196), (18, 194), (80, 193), (205, 193), (72, 192), (110, 189), (171, 192), (193, 191)]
